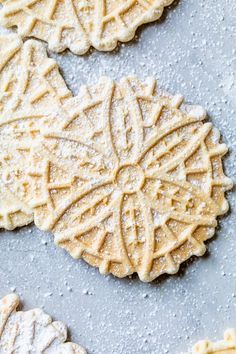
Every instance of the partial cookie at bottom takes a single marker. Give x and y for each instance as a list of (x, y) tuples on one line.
[(31, 331), (225, 346)]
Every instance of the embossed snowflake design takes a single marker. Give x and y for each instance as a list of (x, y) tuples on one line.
[(225, 346), (32, 331), (130, 182), (30, 88), (77, 25)]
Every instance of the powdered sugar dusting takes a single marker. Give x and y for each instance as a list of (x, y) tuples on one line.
[(192, 52)]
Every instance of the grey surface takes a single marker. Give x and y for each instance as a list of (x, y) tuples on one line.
[(192, 51)]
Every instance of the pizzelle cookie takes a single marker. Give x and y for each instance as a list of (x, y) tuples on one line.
[(132, 181), (30, 88), (77, 25), (32, 331), (225, 346)]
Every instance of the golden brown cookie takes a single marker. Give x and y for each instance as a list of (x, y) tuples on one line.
[(31, 331), (30, 89), (132, 180), (77, 25)]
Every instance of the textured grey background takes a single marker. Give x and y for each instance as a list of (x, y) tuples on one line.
[(191, 51)]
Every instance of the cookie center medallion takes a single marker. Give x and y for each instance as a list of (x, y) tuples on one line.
[(130, 178)]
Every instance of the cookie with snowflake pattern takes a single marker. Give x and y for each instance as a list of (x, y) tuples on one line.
[(225, 346), (31, 331), (77, 25), (132, 181), (30, 89)]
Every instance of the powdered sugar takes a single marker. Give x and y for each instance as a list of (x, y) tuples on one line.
[(192, 52)]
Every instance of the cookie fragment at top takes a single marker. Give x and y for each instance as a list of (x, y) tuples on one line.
[(77, 25)]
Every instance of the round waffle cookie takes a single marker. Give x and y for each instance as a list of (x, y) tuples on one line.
[(30, 88), (77, 25), (131, 182), (225, 346), (32, 331)]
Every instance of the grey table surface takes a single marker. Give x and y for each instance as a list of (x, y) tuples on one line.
[(192, 51)]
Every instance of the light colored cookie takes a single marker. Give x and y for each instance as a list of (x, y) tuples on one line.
[(225, 346), (131, 182), (30, 88), (77, 25), (31, 331)]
